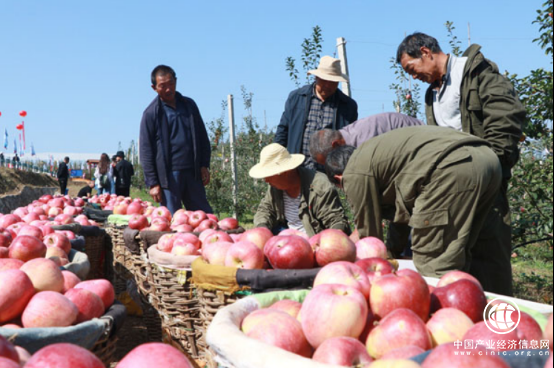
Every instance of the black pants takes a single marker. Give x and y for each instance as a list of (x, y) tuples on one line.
[(63, 185), (125, 192)]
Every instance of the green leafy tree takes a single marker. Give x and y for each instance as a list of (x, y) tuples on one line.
[(311, 53), (407, 93), (453, 40)]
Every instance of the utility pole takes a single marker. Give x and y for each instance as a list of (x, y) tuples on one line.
[(233, 153), (341, 45)]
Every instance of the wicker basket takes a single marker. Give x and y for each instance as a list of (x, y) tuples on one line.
[(121, 258), (95, 249), (178, 308), (106, 346)]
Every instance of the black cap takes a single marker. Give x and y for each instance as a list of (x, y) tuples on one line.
[(120, 154)]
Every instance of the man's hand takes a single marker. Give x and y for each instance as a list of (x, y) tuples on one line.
[(205, 175), (156, 193)]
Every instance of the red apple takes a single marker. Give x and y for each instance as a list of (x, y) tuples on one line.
[(370, 247), (69, 280), (528, 329), (499, 342), (217, 236), (196, 218), (182, 228), (44, 274), (333, 311), (405, 289), (334, 245), (215, 253), (135, 208), (204, 234), (206, 224), (548, 332), (453, 276), (405, 352), (138, 222), (159, 224), (71, 210), (292, 307), (258, 236), (63, 355), (344, 273), (212, 217), (7, 350), (30, 217), (5, 239), (8, 220), (88, 304), (289, 252), (228, 223), (448, 325), (8, 363), (102, 288), (288, 232), (49, 309), (402, 327), (10, 264), (375, 267), (244, 254), (154, 354), (165, 243), (45, 198), (464, 295), (393, 363), (64, 219), (58, 240), (448, 355), (180, 218), (342, 351), (16, 291), (31, 230), (26, 247)]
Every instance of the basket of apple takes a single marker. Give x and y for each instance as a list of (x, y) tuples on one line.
[(365, 314)]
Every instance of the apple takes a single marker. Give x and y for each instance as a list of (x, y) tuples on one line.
[(548, 332), (258, 236), (102, 288), (44, 274), (528, 329), (71, 210), (277, 328), (82, 220), (165, 243), (54, 211), (244, 254), (334, 245), (69, 280), (49, 309), (402, 327), (46, 229), (45, 198), (464, 295), (371, 247), (7, 350), (30, 217), (64, 219), (215, 253), (187, 249), (5, 239), (342, 351), (4, 253), (333, 311), (550, 361), (180, 218), (206, 224), (8, 220), (228, 223), (159, 224), (204, 234), (26, 247), (196, 218), (448, 355), (10, 264), (448, 325), (154, 354), (481, 333), (405, 289), (30, 230), (68, 233), (138, 221), (16, 291), (21, 212), (88, 304), (58, 240), (80, 202), (344, 273), (375, 267), (292, 307), (453, 276), (8, 363), (182, 228), (289, 252), (217, 236), (287, 232), (212, 217), (405, 352), (135, 208), (64, 355), (393, 363)]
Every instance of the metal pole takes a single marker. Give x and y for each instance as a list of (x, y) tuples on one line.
[(341, 45), (233, 153)]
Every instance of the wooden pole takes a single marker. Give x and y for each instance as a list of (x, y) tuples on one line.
[(233, 153), (341, 45)]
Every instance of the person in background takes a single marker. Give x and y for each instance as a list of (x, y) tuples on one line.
[(297, 198), (314, 107), (86, 191), (2, 159), (469, 94), (63, 175), (103, 174), (175, 150), (112, 180), (123, 173)]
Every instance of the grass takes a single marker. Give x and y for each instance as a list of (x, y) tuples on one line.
[(533, 275)]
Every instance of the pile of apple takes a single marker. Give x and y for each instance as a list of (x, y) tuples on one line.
[(64, 355), (364, 314)]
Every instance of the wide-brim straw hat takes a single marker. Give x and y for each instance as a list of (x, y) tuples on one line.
[(329, 70), (275, 159)]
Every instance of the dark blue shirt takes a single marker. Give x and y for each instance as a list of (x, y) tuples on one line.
[(181, 146)]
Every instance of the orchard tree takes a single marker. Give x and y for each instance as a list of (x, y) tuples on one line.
[(311, 53)]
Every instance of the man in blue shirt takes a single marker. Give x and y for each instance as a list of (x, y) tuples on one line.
[(174, 147)]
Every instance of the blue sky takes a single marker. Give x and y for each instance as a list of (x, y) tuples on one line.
[(81, 69)]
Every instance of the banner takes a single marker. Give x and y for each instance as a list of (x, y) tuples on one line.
[(5, 138), (33, 153), (15, 146)]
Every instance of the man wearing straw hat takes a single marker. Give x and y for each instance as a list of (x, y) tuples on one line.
[(298, 198), (314, 107)]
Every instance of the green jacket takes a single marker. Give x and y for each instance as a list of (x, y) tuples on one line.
[(489, 106), (385, 175), (320, 207)]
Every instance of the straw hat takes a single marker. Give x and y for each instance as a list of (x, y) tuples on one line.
[(275, 159), (329, 70)]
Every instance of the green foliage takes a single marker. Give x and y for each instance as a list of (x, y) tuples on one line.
[(530, 193), (407, 93), (249, 141), (311, 53), (453, 40)]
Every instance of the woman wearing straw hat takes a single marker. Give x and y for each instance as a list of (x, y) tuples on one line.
[(298, 198)]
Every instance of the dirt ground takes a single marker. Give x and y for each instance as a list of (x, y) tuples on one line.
[(11, 181)]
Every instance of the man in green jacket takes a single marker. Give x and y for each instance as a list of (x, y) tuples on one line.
[(469, 94), (298, 198), (441, 183)]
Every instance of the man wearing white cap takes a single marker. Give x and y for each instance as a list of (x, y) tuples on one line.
[(298, 198), (314, 107)]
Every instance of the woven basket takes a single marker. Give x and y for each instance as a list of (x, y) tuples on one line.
[(178, 306), (95, 249), (121, 258), (106, 346)]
